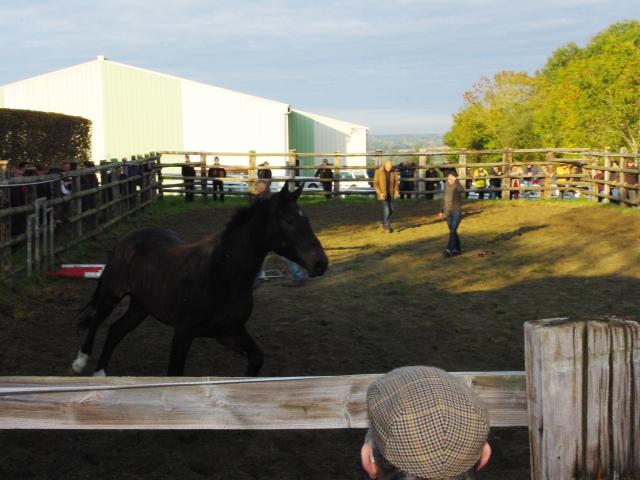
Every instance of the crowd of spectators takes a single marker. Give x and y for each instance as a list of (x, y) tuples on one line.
[(55, 181)]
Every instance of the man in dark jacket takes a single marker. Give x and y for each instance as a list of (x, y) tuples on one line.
[(429, 186), (406, 171), (387, 185), (188, 172), (265, 173), (324, 174), (217, 171), (451, 211)]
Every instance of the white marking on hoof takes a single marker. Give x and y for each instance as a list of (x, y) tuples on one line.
[(80, 362), (99, 373)]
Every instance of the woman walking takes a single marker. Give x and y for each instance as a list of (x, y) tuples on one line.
[(452, 211)]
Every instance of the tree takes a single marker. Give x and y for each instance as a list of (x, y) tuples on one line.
[(582, 97), (591, 96), (497, 113)]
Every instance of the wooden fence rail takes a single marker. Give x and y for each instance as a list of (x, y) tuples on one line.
[(579, 396), (213, 403), (88, 211), (69, 217)]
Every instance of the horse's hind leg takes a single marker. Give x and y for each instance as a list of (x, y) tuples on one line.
[(117, 331), (93, 318), (241, 341)]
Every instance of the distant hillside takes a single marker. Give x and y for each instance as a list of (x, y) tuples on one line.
[(404, 141)]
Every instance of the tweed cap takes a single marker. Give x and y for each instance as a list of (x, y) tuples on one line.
[(427, 423)]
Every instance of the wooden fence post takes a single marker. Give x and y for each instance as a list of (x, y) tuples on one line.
[(548, 176), (462, 169), (583, 398), (291, 162), (159, 178), (595, 192), (624, 191), (422, 171), (251, 173), (203, 176), (5, 223), (607, 176), (336, 174), (77, 204), (506, 174)]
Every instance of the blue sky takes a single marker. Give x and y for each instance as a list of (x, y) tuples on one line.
[(397, 66)]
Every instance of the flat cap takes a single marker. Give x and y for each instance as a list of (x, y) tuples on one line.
[(427, 423)]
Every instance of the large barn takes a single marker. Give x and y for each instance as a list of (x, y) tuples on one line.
[(135, 111)]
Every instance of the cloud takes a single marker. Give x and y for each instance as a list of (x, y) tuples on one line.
[(384, 57)]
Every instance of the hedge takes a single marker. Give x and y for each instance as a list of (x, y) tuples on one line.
[(43, 137)]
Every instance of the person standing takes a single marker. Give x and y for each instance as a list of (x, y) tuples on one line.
[(189, 173), (480, 181), (430, 184), (387, 185), (263, 192), (265, 173), (217, 171), (324, 174), (451, 211), (496, 182), (406, 186)]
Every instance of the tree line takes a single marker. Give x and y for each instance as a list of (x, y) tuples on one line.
[(583, 97)]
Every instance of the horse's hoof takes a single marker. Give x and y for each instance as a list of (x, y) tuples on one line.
[(80, 363), (99, 373)]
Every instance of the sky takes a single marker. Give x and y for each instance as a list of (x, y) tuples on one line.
[(396, 66)]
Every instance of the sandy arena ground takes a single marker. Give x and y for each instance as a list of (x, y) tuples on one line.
[(387, 300)]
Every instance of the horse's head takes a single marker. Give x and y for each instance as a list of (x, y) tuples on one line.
[(291, 235)]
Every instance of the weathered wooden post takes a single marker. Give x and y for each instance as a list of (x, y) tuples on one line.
[(5, 222), (76, 191), (251, 173), (422, 171), (291, 163), (203, 176), (462, 169), (159, 178), (607, 176), (336, 173), (595, 193), (583, 398), (548, 177), (506, 174), (624, 190)]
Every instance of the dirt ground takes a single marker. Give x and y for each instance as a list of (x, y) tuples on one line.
[(387, 300)]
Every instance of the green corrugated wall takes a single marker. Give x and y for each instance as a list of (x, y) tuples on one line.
[(142, 111), (302, 138)]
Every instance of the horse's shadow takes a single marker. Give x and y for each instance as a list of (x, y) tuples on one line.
[(517, 233), (435, 221)]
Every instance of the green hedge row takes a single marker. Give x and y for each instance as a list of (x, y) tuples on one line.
[(43, 137)]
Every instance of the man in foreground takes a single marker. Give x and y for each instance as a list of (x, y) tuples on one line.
[(387, 185), (424, 425)]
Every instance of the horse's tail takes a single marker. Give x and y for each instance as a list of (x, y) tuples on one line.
[(87, 313)]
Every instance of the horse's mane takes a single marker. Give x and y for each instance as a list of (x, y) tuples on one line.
[(239, 218)]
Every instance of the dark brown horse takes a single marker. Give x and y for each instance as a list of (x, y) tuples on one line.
[(202, 289)]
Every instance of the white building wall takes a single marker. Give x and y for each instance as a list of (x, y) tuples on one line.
[(72, 91), (216, 119)]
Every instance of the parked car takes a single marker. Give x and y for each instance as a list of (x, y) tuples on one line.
[(355, 180)]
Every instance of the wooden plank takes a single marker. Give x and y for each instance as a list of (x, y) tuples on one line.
[(199, 403), (584, 398)]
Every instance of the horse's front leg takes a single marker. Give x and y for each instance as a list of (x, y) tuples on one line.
[(180, 345), (240, 340)]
